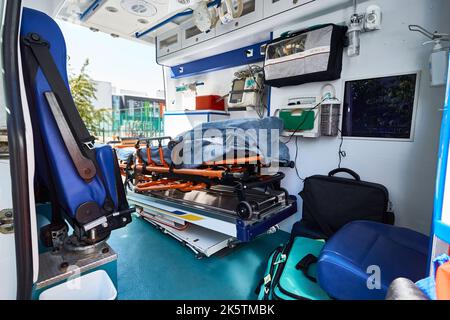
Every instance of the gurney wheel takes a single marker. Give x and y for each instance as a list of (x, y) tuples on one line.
[(244, 210)]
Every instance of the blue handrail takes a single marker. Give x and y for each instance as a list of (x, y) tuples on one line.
[(170, 19), (438, 228), (94, 5)]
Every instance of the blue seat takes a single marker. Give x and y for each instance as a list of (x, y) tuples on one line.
[(81, 200), (342, 269)]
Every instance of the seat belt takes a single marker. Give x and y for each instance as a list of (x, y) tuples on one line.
[(41, 51), (85, 167), (69, 122)]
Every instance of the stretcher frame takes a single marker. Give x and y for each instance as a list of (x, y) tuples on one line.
[(229, 201)]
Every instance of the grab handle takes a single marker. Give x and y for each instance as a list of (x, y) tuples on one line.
[(345, 170)]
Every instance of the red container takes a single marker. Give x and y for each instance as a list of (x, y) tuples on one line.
[(210, 102)]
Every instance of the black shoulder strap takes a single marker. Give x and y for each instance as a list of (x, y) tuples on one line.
[(304, 265), (40, 50)]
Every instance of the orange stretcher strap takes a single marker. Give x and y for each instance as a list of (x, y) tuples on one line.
[(199, 186), (149, 156), (163, 187), (236, 161), (156, 183), (218, 174), (161, 156)]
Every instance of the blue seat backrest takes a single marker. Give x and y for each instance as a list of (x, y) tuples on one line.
[(72, 190)]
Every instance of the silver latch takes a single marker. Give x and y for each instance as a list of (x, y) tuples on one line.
[(90, 145), (6, 221)]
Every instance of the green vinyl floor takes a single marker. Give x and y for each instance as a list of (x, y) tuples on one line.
[(152, 265)]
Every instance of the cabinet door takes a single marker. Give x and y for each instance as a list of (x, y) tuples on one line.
[(272, 7), (191, 35), (169, 42), (253, 12)]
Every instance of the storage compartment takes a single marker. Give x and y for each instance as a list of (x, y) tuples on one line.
[(309, 55), (253, 12), (272, 7), (169, 42), (96, 285), (191, 35)]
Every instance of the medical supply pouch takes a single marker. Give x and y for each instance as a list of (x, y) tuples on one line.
[(291, 272), (330, 202), (309, 55)]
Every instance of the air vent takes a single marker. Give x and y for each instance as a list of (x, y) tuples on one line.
[(112, 9), (139, 7)]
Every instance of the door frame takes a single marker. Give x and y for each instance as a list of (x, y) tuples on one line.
[(18, 150)]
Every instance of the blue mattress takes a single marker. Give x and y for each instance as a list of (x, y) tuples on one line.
[(213, 141)]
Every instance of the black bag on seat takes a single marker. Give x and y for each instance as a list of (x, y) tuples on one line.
[(330, 202)]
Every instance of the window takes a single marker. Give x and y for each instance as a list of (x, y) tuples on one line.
[(380, 108)]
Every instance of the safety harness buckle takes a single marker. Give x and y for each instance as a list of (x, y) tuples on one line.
[(90, 145), (35, 39)]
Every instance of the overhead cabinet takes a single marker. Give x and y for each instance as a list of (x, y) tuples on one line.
[(253, 11), (169, 42), (191, 35), (187, 34), (272, 7)]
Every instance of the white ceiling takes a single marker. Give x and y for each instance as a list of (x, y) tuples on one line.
[(113, 18)]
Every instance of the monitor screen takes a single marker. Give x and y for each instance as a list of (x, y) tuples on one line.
[(380, 107), (238, 91)]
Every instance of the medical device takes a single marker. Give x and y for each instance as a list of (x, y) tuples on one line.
[(368, 21), (228, 12), (205, 19), (312, 116), (439, 54), (248, 90), (187, 94), (330, 109), (373, 18), (354, 34), (301, 117), (330, 116)]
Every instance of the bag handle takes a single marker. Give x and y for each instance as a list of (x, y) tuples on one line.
[(345, 170), (304, 265)]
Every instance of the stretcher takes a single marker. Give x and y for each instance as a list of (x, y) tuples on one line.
[(234, 197), (240, 176)]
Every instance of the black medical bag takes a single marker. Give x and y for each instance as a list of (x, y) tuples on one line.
[(330, 202), (310, 55)]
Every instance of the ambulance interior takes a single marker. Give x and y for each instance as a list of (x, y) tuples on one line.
[(345, 94)]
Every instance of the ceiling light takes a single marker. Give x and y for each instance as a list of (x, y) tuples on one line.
[(139, 7), (112, 9)]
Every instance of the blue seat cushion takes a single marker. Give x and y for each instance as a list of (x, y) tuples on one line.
[(342, 269)]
